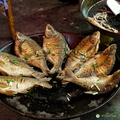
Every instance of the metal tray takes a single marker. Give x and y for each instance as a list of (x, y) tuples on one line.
[(53, 104)]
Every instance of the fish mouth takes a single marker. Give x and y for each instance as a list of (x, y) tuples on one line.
[(50, 31), (19, 37)]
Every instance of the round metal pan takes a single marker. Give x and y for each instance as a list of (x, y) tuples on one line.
[(56, 103), (85, 8)]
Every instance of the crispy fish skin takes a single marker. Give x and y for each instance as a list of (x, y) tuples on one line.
[(94, 84), (11, 85), (86, 48), (55, 47), (29, 50), (13, 65), (100, 64)]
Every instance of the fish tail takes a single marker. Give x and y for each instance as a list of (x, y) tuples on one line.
[(116, 76), (70, 73), (46, 71), (44, 82), (45, 79), (10, 92), (55, 70), (71, 76), (38, 75), (61, 75)]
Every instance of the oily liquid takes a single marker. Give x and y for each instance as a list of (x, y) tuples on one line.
[(112, 20)]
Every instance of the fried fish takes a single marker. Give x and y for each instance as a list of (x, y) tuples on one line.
[(29, 50), (11, 85), (55, 47), (13, 65), (100, 64), (93, 84), (86, 48)]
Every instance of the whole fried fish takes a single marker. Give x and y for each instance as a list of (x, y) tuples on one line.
[(85, 49), (55, 47), (93, 84), (100, 64), (11, 85), (13, 65), (29, 50)]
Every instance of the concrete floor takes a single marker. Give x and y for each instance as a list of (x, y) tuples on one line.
[(31, 16)]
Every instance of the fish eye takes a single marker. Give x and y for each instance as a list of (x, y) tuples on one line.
[(49, 28)]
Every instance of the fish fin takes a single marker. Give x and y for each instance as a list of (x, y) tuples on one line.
[(45, 84), (60, 77), (45, 79), (68, 79), (10, 92), (70, 74), (24, 91), (55, 70), (38, 75)]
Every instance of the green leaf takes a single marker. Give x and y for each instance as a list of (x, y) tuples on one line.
[(9, 80), (57, 45), (82, 53), (96, 85), (21, 74), (66, 52), (31, 54), (48, 51), (38, 54), (25, 57), (17, 86), (14, 62), (95, 64)]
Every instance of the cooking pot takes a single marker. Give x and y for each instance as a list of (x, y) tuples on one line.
[(85, 8)]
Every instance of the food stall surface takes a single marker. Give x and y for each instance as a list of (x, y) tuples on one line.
[(31, 17)]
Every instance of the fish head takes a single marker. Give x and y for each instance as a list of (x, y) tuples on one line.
[(96, 34), (50, 31), (20, 37)]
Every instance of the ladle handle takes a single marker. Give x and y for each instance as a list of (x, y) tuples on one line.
[(10, 18)]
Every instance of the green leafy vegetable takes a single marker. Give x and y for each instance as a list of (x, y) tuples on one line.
[(95, 64), (25, 57), (66, 52), (9, 80), (96, 85), (57, 45), (31, 54), (49, 51), (82, 53), (14, 62)]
